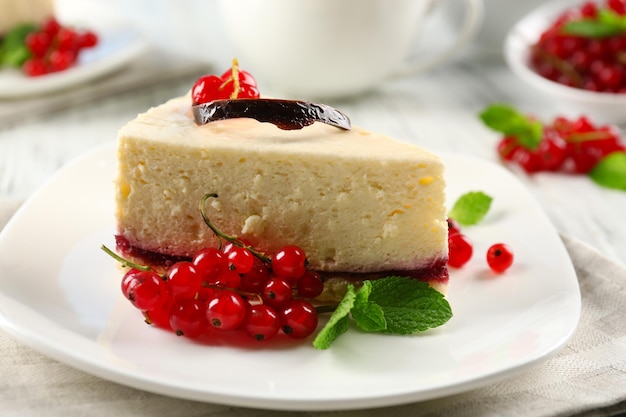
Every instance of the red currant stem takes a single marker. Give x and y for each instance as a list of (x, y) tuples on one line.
[(235, 290), (588, 136), (125, 262), (561, 66), (235, 77), (326, 308), (232, 239)]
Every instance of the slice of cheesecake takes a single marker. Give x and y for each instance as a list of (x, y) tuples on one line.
[(361, 205)]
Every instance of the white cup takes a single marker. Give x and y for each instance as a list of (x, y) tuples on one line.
[(334, 48)]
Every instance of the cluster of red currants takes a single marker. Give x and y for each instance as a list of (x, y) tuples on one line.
[(54, 47), (460, 250), (232, 84), (584, 48), (230, 289), (573, 146)]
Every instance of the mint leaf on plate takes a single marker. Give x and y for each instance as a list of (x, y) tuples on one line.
[(368, 316), (607, 23), (470, 208), (409, 305), (338, 323), (610, 171), (510, 122)]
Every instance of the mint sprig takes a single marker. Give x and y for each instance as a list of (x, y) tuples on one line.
[(391, 305), (606, 23), (470, 208), (510, 122), (610, 171)]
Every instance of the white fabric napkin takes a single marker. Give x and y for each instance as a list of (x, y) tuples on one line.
[(586, 379)]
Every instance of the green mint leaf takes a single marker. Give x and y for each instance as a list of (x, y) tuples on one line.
[(470, 208), (409, 305), (607, 23), (15, 57), (610, 171), (507, 120), (338, 323), (368, 316)]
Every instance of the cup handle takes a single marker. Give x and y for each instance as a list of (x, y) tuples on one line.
[(473, 19)]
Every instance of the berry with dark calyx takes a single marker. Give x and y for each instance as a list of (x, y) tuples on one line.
[(240, 259), (146, 290), (299, 319), (187, 317), (226, 311), (460, 250), (289, 262), (183, 280), (262, 322), (310, 285), (499, 257), (277, 292)]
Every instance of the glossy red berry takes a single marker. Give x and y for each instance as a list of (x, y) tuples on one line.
[(187, 317), (299, 319), (289, 262), (38, 43), (499, 257), (209, 263), (262, 322), (226, 311), (183, 281), (254, 280), (310, 285), (460, 250), (240, 259), (277, 292), (146, 290), (35, 67)]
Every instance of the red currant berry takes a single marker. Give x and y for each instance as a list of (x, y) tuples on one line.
[(60, 60), (228, 279), (460, 250), (289, 262), (255, 279), (310, 285), (160, 316), (507, 147), (127, 279), (262, 322), (87, 39), (187, 317), (277, 292), (299, 319), (146, 290), (34, 67), (244, 76), (38, 43), (67, 40), (209, 88), (499, 257), (240, 259), (209, 263), (183, 281), (226, 311)]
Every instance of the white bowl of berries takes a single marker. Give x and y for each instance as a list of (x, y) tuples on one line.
[(574, 52)]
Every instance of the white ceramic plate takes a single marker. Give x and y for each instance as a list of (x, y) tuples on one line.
[(605, 107), (59, 293), (118, 45)]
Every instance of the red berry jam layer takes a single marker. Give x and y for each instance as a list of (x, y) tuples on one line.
[(436, 272)]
